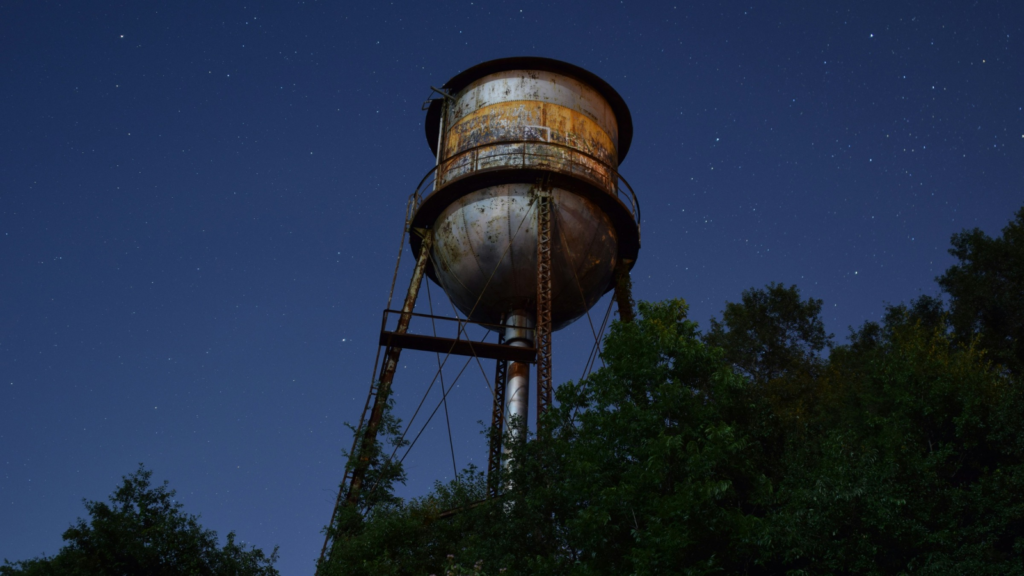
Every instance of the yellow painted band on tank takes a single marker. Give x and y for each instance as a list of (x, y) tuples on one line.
[(533, 121)]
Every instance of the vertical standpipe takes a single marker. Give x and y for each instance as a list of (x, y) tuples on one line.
[(519, 333)]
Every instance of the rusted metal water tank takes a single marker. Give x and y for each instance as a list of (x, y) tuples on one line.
[(504, 131)]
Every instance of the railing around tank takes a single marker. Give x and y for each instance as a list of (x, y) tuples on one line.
[(429, 184)]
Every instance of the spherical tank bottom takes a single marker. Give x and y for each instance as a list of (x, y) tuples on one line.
[(485, 253)]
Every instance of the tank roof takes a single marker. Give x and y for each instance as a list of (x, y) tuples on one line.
[(466, 77)]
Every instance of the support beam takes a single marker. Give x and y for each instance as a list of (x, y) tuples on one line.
[(497, 426), (544, 236), (458, 347), (387, 375), (379, 390)]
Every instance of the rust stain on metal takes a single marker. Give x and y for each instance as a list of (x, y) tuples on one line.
[(530, 121)]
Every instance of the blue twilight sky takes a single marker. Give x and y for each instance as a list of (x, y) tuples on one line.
[(200, 207)]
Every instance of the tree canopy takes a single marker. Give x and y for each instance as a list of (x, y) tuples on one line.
[(143, 530), (986, 289), (747, 450), (770, 332)]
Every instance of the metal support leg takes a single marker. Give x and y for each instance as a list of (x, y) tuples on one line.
[(380, 391), (497, 425), (387, 375), (544, 236)]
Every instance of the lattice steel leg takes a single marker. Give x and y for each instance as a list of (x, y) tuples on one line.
[(379, 391), (497, 425), (544, 235), (388, 374)]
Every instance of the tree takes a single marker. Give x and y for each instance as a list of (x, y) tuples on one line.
[(143, 530), (670, 461), (362, 537), (770, 332), (775, 338), (986, 288), (655, 463), (865, 345), (647, 468), (915, 460), (746, 451)]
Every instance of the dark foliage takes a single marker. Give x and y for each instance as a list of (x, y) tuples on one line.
[(142, 530), (746, 452), (770, 332), (986, 288)]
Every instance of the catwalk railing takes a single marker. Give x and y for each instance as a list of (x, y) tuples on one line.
[(532, 155)]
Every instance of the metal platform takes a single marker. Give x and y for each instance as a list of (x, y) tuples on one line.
[(460, 345)]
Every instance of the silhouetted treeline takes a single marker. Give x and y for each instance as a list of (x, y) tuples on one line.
[(758, 447), (142, 530)]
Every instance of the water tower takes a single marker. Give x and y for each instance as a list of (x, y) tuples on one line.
[(524, 222)]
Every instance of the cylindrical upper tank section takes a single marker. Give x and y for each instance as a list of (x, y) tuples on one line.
[(531, 119), (530, 113)]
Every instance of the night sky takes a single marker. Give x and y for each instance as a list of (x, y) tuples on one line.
[(201, 205)]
